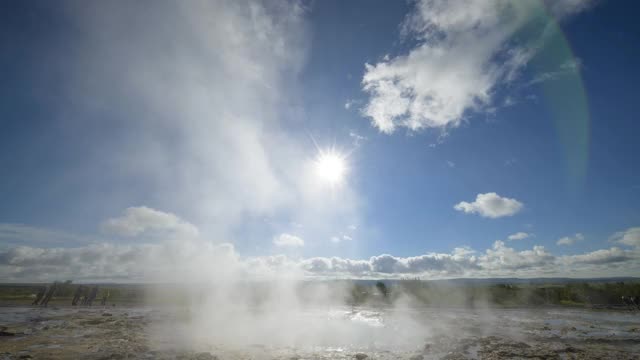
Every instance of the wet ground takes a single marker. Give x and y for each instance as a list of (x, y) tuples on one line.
[(144, 333)]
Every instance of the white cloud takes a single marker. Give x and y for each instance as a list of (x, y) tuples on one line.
[(519, 236), (429, 263), (501, 258), (143, 220), (465, 50), (570, 240), (104, 261), (335, 265), (630, 237), (356, 139), (196, 259), (288, 240), (199, 260), (451, 164), (490, 205), (604, 256), (340, 238)]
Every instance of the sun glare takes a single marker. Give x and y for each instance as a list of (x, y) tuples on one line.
[(331, 167)]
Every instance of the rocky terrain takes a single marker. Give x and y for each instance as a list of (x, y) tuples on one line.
[(110, 333)]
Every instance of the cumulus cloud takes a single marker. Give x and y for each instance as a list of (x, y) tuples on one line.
[(490, 205), (95, 262), (429, 263), (604, 256), (570, 240), (630, 237), (519, 236), (465, 50), (320, 266), (143, 220), (501, 257), (288, 240), (199, 260)]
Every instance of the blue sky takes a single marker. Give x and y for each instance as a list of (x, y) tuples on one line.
[(485, 139)]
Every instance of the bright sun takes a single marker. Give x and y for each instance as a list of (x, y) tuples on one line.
[(331, 167)]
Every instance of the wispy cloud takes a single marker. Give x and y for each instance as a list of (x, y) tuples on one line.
[(357, 139), (569, 67), (143, 220), (340, 238), (519, 236), (570, 240), (19, 234)]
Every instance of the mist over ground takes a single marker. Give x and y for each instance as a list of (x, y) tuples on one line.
[(292, 318), (219, 179)]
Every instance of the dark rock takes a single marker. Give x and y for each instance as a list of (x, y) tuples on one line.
[(114, 356), (361, 356), (571, 349), (107, 314)]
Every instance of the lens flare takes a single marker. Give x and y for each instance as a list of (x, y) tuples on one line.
[(331, 167)]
